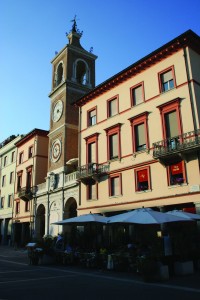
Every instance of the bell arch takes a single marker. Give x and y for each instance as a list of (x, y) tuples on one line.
[(81, 72), (59, 74)]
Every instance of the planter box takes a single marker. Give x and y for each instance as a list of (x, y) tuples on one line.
[(183, 268)]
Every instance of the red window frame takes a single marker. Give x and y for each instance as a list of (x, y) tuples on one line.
[(166, 108), (171, 68), (30, 151), (21, 157), (113, 176), (19, 180), (17, 207), (108, 106), (173, 173), (89, 140), (88, 191), (131, 93), (116, 129), (27, 206), (88, 116), (135, 121), (142, 179)]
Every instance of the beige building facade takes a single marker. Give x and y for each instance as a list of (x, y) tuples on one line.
[(139, 134), (8, 154), (31, 170)]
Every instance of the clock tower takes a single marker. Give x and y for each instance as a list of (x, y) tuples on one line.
[(73, 75)]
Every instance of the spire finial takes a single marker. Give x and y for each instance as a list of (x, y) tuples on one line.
[(74, 26)]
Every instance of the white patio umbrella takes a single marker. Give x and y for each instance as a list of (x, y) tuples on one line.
[(183, 214), (83, 219), (144, 216)]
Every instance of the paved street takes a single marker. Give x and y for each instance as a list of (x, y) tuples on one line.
[(19, 280)]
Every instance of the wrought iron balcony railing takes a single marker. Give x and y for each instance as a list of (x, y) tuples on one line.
[(92, 170), (26, 193), (178, 145)]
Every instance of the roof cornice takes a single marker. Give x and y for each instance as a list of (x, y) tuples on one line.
[(189, 38)]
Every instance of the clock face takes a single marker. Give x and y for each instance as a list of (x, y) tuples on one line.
[(56, 150), (57, 111)]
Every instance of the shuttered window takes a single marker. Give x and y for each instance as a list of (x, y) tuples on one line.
[(113, 143), (115, 189), (171, 124), (137, 94), (92, 153), (140, 138), (113, 107)]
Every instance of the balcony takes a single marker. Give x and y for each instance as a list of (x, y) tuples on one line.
[(91, 172), (179, 146), (26, 194)]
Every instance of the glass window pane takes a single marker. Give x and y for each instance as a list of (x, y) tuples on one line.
[(140, 137), (113, 107), (113, 140), (137, 95)]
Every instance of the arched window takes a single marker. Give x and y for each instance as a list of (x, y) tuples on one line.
[(81, 72), (59, 74)]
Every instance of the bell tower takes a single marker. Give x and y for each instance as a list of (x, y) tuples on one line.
[(73, 75)]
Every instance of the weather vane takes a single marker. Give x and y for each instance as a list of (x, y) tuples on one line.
[(74, 26)]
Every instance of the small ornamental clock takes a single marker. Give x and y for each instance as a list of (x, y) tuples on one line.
[(57, 111), (56, 150)]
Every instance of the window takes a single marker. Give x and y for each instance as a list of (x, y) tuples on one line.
[(176, 173), (19, 181), (30, 152), (167, 80), (91, 191), (29, 179), (12, 156), (92, 149), (3, 180), (9, 200), (82, 72), (171, 124), (171, 119), (137, 94), (21, 157), (115, 185), (92, 117), (140, 132), (59, 74), (113, 145), (17, 207), (11, 177), (5, 161), (142, 179), (2, 202), (27, 205), (113, 142), (112, 108)]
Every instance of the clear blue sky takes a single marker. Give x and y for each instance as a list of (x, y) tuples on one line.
[(120, 32)]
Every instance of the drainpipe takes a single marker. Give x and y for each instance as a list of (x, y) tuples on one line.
[(189, 88), (79, 149)]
